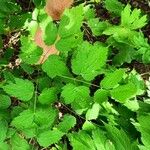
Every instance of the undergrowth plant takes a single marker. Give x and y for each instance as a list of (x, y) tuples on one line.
[(84, 97)]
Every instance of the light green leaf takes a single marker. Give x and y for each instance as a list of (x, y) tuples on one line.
[(5, 101), (19, 143), (114, 6), (144, 128), (71, 21), (48, 96), (101, 96), (101, 141), (21, 89), (4, 146), (45, 117), (119, 138), (89, 60), (67, 123), (72, 42), (50, 137), (54, 66), (93, 112), (97, 26), (81, 140), (30, 52), (3, 130), (24, 120), (76, 94), (49, 31), (132, 105), (112, 79), (124, 92), (132, 19)]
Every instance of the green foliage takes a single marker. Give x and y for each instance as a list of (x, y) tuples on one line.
[(54, 66), (16, 89), (114, 6), (89, 60), (89, 95)]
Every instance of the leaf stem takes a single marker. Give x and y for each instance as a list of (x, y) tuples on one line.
[(78, 80)]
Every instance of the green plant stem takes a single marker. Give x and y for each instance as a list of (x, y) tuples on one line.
[(78, 80)]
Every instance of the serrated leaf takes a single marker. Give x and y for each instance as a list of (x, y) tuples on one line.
[(21, 89), (3, 130), (71, 21), (132, 19), (49, 30), (24, 120), (101, 96), (54, 66), (30, 52), (144, 128), (5, 101), (48, 96), (81, 140), (93, 112), (19, 143), (101, 141), (97, 26), (124, 92), (112, 79), (72, 42), (67, 123), (119, 138), (78, 95), (45, 117), (89, 60), (28, 119), (50, 137), (114, 6)]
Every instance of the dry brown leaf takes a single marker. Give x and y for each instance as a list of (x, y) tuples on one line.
[(54, 8), (47, 50)]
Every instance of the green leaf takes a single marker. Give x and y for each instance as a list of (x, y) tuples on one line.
[(49, 31), (124, 92), (19, 143), (114, 6), (27, 68), (112, 79), (42, 117), (4, 146), (89, 60), (71, 21), (50, 137), (93, 112), (5, 101), (54, 66), (132, 19), (144, 128), (48, 96), (97, 26), (81, 140), (119, 138), (101, 96), (3, 130), (21, 89), (101, 141), (79, 95), (67, 123), (45, 117), (72, 42), (30, 52), (24, 120)]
